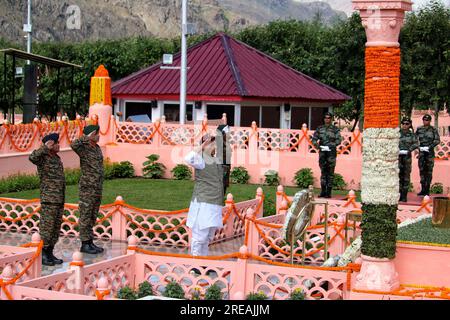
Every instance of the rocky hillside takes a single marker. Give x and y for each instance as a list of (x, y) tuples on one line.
[(56, 20)]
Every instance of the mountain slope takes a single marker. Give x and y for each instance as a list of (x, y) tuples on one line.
[(112, 19)]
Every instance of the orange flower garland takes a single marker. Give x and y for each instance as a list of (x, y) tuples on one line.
[(382, 87)]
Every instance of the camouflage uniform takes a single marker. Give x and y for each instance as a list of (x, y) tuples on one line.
[(428, 137), (91, 183), (327, 135), (53, 187), (409, 142)]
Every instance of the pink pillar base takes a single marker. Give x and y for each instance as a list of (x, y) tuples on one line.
[(377, 274), (104, 113)]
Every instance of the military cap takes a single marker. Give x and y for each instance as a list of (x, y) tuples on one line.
[(328, 114), (426, 117), (406, 119), (51, 136), (91, 128)]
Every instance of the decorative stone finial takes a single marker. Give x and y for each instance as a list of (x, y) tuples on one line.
[(280, 188), (250, 213), (229, 197), (304, 126), (102, 284), (77, 256), (351, 193), (259, 192), (132, 241), (243, 250), (36, 238), (7, 273)]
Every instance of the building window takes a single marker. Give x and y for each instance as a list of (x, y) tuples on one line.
[(299, 116), (250, 114), (138, 108), (270, 117), (172, 112), (317, 117), (215, 111)]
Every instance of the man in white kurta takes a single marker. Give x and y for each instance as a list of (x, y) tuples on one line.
[(205, 210)]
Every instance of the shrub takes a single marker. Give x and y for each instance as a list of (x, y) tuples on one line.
[(127, 293), (339, 182), (114, 170), (272, 178), (108, 169), (270, 207), (153, 169), (410, 187), (239, 175), (145, 289), (72, 176), (19, 182), (123, 169), (257, 296), (297, 294), (213, 293), (304, 177), (181, 172), (437, 188), (174, 290)]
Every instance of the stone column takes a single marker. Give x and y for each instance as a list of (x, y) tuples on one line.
[(382, 21)]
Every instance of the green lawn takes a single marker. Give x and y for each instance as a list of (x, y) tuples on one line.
[(162, 194), (423, 231)]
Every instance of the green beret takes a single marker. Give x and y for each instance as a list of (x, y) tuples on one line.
[(91, 128)]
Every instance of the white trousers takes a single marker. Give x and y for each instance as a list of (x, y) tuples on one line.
[(201, 239)]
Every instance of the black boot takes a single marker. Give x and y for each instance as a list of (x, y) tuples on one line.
[(403, 196), (87, 247), (323, 191), (328, 192), (423, 191), (46, 258), (427, 189), (55, 259), (99, 249)]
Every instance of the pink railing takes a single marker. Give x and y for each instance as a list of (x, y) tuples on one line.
[(118, 271), (26, 137), (118, 221), (18, 258), (337, 209)]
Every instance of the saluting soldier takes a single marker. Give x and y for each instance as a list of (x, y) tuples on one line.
[(428, 139), (90, 185), (408, 143), (53, 187), (327, 137)]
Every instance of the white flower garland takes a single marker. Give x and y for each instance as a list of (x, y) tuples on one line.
[(379, 179), (407, 222)]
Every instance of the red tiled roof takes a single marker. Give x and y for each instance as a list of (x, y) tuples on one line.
[(224, 66)]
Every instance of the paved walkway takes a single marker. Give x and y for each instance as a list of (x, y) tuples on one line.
[(66, 247)]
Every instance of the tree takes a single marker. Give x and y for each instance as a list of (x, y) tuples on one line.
[(425, 44), (344, 67)]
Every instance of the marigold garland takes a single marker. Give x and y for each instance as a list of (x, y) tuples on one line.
[(382, 87)]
